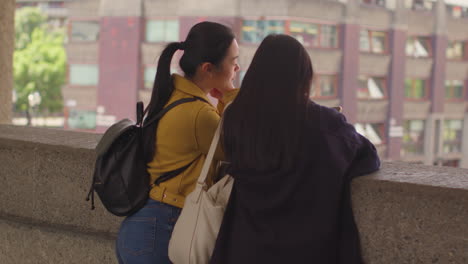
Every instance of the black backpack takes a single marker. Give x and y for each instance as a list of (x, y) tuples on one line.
[(120, 178)]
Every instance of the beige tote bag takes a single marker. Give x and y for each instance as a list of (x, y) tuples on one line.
[(196, 230)]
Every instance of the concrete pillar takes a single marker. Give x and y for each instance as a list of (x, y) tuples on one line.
[(464, 161), (434, 124), (119, 58), (350, 59), (430, 139), (7, 40), (396, 82), (439, 48)]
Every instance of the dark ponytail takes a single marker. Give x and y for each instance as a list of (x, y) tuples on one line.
[(206, 42)]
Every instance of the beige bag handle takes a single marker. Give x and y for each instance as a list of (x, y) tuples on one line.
[(209, 158)]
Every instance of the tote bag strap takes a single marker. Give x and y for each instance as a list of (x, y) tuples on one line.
[(209, 158)]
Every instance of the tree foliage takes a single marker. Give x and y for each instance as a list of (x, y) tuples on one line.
[(39, 61)]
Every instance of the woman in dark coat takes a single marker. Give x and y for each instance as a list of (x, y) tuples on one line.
[(293, 161)]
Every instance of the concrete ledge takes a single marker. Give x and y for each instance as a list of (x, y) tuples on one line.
[(405, 213), (35, 244)]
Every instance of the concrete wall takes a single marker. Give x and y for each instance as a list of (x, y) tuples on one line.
[(406, 213), (7, 40)]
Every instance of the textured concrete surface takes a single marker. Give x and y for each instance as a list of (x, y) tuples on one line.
[(406, 213), (48, 176), (413, 214), (7, 39), (32, 244)]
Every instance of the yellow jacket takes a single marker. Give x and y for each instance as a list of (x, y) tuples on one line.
[(184, 135)]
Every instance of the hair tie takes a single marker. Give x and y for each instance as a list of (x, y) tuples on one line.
[(182, 45)]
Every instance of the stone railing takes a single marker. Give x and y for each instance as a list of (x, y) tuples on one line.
[(405, 213)]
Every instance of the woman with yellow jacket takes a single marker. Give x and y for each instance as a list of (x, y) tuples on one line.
[(180, 141)]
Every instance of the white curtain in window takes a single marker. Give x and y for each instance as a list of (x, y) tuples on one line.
[(374, 89), (360, 129), (419, 50), (368, 131), (372, 135)]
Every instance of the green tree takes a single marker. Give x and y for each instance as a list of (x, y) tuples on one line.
[(39, 63), (27, 19)]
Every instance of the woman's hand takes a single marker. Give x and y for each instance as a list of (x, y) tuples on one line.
[(218, 93), (338, 108)]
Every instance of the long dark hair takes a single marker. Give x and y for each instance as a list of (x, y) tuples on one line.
[(264, 126), (206, 42)]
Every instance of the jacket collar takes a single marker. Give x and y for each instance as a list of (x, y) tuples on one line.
[(185, 85)]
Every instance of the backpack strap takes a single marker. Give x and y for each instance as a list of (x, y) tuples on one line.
[(171, 174), (169, 107)]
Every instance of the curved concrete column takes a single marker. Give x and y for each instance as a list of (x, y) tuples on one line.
[(7, 33)]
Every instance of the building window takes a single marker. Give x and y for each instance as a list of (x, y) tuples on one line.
[(254, 31), (420, 5), (324, 86), (374, 2), (162, 30), (413, 137), (84, 74), (314, 35), (149, 75), (456, 50), (415, 89), (79, 119), (390, 4), (85, 31), (418, 47), (374, 132), (328, 36), (373, 41), (457, 11), (454, 89), (371, 87), (452, 136), (241, 76)]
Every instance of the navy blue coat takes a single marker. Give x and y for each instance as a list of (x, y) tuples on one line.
[(305, 215)]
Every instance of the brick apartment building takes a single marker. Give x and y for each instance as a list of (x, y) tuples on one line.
[(399, 68)]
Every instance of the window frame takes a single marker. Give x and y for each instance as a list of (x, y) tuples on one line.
[(82, 19), (430, 47), (450, 12), (403, 144), (452, 141), (374, 4), (426, 81), (370, 32), (68, 74), (316, 82), (158, 18), (143, 70), (455, 99), (67, 120), (382, 130), (287, 30), (465, 50), (144, 66), (319, 23), (261, 18), (384, 88), (423, 10)]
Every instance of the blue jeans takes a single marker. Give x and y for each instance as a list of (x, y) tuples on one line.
[(144, 236)]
